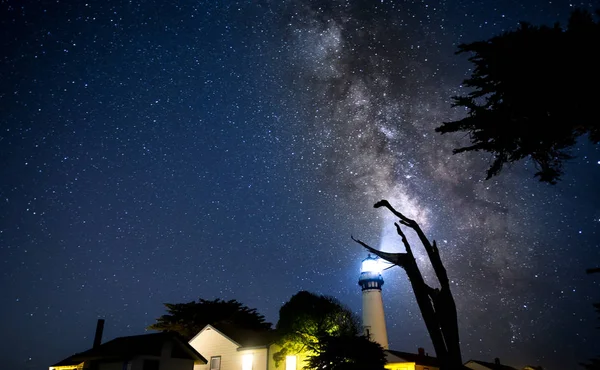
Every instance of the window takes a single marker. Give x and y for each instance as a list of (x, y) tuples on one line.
[(215, 363), (247, 360), (151, 364), (290, 362)]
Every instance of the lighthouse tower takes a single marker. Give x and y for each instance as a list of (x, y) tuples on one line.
[(372, 304)]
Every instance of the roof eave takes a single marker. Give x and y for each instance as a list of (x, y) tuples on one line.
[(253, 347)]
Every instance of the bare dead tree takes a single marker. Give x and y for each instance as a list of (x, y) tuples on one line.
[(436, 304)]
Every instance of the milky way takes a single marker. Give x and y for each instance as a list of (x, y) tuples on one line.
[(156, 152), (373, 82)]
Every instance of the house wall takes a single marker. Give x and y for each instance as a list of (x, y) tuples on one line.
[(402, 366), (165, 364), (259, 357), (475, 366), (176, 364), (70, 367), (111, 366), (210, 343), (421, 367), (408, 366)]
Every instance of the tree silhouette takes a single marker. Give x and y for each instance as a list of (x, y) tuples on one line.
[(308, 317), (437, 305), (534, 93), (188, 319), (594, 363), (347, 352)]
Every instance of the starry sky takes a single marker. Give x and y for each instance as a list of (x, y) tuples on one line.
[(162, 151)]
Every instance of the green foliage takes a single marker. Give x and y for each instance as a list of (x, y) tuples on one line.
[(347, 353), (534, 93), (188, 319), (306, 317)]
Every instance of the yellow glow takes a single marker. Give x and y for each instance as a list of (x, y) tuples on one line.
[(247, 360), (400, 366), (290, 362)]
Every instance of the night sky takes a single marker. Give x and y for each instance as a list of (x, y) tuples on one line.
[(162, 151)]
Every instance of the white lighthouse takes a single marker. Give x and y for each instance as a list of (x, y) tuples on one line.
[(372, 304)]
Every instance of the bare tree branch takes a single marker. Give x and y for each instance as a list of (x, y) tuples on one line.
[(395, 258), (405, 220), (404, 240), (437, 305), (432, 250)]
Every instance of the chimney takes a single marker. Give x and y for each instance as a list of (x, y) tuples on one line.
[(421, 351), (497, 361), (99, 330)]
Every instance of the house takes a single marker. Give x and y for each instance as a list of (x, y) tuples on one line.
[(159, 351), (397, 360), (482, 365), (230, 348)]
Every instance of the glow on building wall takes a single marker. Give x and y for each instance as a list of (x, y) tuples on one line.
[(247, 361)]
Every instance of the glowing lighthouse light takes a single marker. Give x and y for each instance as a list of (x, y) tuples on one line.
[(372, 264)]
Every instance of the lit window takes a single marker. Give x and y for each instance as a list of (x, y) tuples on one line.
[(215, 363), (247, 360), (290, 362)]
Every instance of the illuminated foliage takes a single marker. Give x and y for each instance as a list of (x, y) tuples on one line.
[(188, 319), (306, 318), (534, 93)]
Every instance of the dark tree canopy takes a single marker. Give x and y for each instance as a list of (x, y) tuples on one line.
[(594, 363), (347, 353), (534, 93), (188, 319), (307, 317)]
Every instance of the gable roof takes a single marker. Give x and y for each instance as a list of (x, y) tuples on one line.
[(244, 338), (127, 347), (492, 365), (69, 361), (416, 358)]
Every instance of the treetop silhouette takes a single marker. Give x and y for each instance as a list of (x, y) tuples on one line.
[(534, 93), (188, 319)]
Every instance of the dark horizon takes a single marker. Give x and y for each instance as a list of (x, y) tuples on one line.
[(164, 152)]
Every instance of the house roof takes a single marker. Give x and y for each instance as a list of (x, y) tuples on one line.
[(131, 346), (247, 338), (69, 361), (492, 365), (423, 360)]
